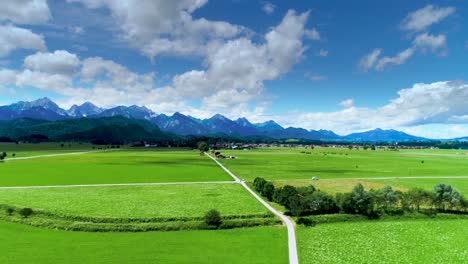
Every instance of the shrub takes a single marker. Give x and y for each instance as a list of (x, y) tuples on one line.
[(25, 212), (306, 221), (213, 218), (10, 211)]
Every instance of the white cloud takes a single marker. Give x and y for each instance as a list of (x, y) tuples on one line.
[(25, 11), (268, 8), (218, 87), (416, 21), (241, 57), (59, 62), (348, 103), (370, 60), (400, 58), (314, 77), (165, 27), (426, 42), (12, 38), (420, 105), (423, 18), (312, 34), (322, 53)]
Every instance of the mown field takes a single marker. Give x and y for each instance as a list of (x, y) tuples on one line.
[(188, 200), (416, 241), (122, 166), (25, 244), (338, 169)]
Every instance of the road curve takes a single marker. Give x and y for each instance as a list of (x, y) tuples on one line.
[(293, 258)]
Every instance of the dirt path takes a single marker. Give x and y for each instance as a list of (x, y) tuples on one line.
[(293, 258), (56, 155)]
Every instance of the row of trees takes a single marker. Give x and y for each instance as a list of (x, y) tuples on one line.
[(301, 201)]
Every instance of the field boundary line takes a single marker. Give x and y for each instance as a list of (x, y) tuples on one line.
[(112, 185), (293, 258), (57, 155)]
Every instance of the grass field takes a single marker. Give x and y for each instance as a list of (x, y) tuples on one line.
[(124, 166), (338, 168), (137, 201), (417, 241), (28, 150), (24, 244), (290, 163)]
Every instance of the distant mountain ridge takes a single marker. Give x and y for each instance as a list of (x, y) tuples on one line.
[(46, 109)]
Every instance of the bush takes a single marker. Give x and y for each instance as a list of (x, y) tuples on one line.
[(306, 221), (25, 212), (213, 218), (10, 211)]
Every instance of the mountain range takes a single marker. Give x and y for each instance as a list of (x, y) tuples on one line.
[(179, 124)]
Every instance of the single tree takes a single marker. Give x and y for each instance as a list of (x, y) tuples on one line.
[(259, 183), (213, 218), (25, 212), (202, 146), (268, 190)]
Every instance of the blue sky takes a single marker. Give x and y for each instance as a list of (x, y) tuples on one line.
[(341, 65)]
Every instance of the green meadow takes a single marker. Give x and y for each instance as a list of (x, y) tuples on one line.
[(25, 244), (339, 170), (331, 163), (415, 241), (28, 150), (121, 166), (187, 200)]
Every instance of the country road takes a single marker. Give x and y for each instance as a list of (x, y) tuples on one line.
[(111, 185), (56, 155), (293, 258)]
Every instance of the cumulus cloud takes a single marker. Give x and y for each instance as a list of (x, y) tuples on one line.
[(268, 8), (423, 18), (165, 27), (422, 104), (217, 87), (241, 57), (347, 103), (58, 62), (12, 37), (25, 11)]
